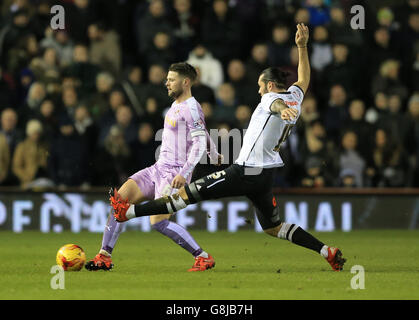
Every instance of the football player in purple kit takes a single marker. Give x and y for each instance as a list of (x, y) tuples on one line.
[(185, 140)]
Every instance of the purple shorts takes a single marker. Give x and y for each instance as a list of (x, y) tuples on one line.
[(154, 181)]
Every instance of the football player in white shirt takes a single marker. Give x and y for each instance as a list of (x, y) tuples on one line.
[(253, 172)]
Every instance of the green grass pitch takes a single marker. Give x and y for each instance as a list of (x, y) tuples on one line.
[(249, 265)]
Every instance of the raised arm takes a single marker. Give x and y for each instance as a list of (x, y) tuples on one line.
[(301, 39)]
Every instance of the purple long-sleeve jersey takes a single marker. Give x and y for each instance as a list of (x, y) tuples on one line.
[(185, 137)]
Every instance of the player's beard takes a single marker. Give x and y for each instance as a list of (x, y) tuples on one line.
[(175, 94)]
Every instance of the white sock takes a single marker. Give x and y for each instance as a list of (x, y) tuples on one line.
[(131, 212), (104, 252), (203, 255), (324, 253)]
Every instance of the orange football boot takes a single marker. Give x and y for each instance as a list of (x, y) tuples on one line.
[(100, 262), (119, 205), (335, 258), (202, 264)]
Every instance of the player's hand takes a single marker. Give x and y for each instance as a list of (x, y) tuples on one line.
[(289, 114), (301, 36), (178, 182)]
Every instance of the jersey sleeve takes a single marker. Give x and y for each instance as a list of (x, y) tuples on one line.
[(267, 100), (297, 93), (195, 121)]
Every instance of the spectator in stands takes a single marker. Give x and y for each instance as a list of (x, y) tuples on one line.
[(33, 102), (161, 51), (257, 62), (280, 46), (302, 15), (347, 179), (336, 112), (153, 21), (314, 174), (413, 73), (9, 128), (134, 89), (321, 54), (70, 101), (379, 109), (387, 163), (340, 30), (388, 80), (157, 90), (350, 159), (98, 102), (340, 70), (48, 117), (144, 147), (186, 27), (319, 12), (68, 158), (83, 70), (79, 15), (398, 124), (309, 113), (226, 103), (381, 49), (243, 114), (62, 43), (211, 68), (13, 32), (385, 19), (7, 94), (30, 157), (207, 109), (244, 89), (104, 48), (356, 123), (221, 32), (116, 99), (201, 91), (412, 138), (4, 158), (113, 164), (88, 132)]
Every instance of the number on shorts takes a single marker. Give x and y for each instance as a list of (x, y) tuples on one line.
[(217, 174)]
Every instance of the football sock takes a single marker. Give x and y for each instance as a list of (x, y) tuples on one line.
[(324, 252), (179, 235), (299, 236), (105, 253), (203, 254), (111, 234), (153, 207)]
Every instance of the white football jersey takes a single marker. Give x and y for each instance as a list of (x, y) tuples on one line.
[(267, 130)]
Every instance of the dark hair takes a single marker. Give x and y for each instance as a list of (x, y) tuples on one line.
[(275, 75), (184, 69)]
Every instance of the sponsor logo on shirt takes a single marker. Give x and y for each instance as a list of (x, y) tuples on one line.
[(291, 103)]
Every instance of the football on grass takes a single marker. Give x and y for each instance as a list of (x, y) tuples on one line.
[(71, 257)]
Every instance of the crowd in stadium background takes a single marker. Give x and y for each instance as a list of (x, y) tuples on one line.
[(81, 106)]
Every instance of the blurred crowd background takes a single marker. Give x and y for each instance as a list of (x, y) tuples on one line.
[(81, 106)]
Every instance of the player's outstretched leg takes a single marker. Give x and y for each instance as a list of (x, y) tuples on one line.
[(299, 236), (179, 235), (103, 260)]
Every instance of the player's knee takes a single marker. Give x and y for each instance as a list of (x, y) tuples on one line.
[(130, 190), (159, 218)]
